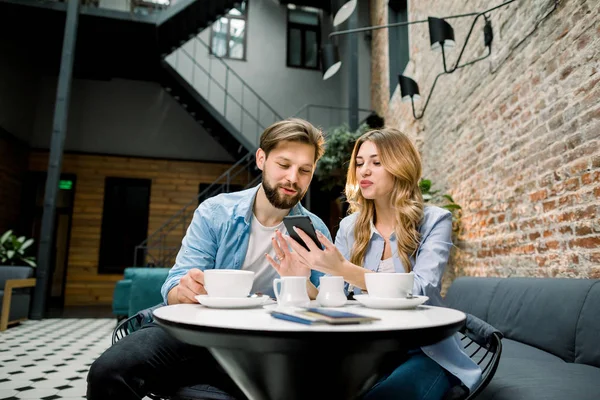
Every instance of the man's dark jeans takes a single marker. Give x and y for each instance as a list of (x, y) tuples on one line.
[(150, 360)]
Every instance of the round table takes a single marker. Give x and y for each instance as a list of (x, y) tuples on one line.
[(273, 359)]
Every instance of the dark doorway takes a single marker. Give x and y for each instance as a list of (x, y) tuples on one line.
[(124, 222), (31, 222)]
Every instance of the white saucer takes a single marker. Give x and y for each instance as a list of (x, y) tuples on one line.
[(231, 302), (390, 304)]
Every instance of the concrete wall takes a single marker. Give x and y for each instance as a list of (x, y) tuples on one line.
[(285, 89), (123, 117), (515, 138), (19, 81)]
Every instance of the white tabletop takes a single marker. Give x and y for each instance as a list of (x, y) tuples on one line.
[(258, 319)]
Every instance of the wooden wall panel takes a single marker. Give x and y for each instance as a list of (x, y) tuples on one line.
[(174, 184)]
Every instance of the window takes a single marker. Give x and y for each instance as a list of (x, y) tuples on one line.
[(398, 41), (228, 38), (124, 222), (303, 37)]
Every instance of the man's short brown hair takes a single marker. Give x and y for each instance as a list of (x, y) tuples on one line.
[(293, 130)]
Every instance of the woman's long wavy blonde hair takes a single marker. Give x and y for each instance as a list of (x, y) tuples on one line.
[(400, 158)]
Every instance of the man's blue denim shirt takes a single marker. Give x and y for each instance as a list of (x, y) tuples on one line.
[(428, 266), (219, 233)]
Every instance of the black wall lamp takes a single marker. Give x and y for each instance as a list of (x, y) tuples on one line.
[(441, 38)]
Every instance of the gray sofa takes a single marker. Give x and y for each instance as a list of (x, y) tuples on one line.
[(18, 281), (551, 327)]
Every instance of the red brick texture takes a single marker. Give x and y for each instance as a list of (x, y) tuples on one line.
[(514, 138)]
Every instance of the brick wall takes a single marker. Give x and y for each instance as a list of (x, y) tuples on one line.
[(174, 184), (13, 164), (515, 139)]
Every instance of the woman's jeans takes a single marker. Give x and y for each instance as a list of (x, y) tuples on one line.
[(417, 378), (151, 360)]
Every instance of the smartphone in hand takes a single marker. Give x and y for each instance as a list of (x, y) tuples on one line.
[(302, 222)]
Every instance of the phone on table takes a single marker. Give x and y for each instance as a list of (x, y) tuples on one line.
[(302, 222)]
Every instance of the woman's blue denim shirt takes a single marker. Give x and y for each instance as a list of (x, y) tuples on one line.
[(219, 233), (428, 267)]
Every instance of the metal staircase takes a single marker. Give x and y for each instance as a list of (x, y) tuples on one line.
[(162, 44), (231, 112), (161, 247)]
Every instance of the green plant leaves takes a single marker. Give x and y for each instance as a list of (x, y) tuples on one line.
[(332, 167), (12, 250), (5, 236)]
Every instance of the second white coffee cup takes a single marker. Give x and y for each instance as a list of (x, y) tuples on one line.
[(389, 285), (228, 282)]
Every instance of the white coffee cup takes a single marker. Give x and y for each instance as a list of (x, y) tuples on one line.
[(331, 291), (389, 285), (228, 282), (293, 291)]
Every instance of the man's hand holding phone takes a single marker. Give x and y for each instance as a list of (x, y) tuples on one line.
[(285, 262), (328, 260), (190, 285)]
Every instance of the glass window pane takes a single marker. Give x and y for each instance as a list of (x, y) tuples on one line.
[(304, 17), (239, 10), (295, 47), (219, 40), (236, 38), (310, 49)]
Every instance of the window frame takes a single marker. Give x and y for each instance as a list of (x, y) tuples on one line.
[(229, 17), (303, 29), (398, 50)]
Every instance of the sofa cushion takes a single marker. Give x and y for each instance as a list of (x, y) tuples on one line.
[(145, 288), (120, 305), (514, 349), (19, 305), (540, 312), (587, 348), (14, 272), (472, 295), (527, 379)]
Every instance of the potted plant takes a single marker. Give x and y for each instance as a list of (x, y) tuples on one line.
[(13, 250), (15, 277), (445, 201), (331, 173)]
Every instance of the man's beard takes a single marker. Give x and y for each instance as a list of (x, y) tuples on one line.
[(277, 201)]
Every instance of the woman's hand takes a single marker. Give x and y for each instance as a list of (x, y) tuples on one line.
[(287, 263), (329, 261)]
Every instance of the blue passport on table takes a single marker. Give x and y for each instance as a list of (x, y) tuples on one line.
[(311, 316)]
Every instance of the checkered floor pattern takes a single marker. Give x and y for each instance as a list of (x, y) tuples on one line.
[(50, 359)]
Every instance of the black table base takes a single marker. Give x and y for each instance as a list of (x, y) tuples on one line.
[(271, 365), (305, 375)]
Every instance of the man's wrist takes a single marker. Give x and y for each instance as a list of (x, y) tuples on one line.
[(172, 295)]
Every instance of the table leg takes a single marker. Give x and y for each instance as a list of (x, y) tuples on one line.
[(303, 375)]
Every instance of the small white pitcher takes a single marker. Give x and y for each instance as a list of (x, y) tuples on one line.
[(331, 292), (293, 291)]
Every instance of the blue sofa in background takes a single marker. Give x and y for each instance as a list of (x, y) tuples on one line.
[(139, 289), (551, 327)]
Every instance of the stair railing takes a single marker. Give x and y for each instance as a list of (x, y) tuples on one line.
[(161, 247), (224, 89), (328, 116)]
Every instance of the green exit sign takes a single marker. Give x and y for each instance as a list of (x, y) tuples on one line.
[(65, 184)]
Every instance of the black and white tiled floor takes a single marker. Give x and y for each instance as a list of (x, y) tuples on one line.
[(50, 359)]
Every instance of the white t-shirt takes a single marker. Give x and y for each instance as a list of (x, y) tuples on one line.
[(258, 245), (386, 265)]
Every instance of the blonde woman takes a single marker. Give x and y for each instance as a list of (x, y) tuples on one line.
[(390, 230)]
